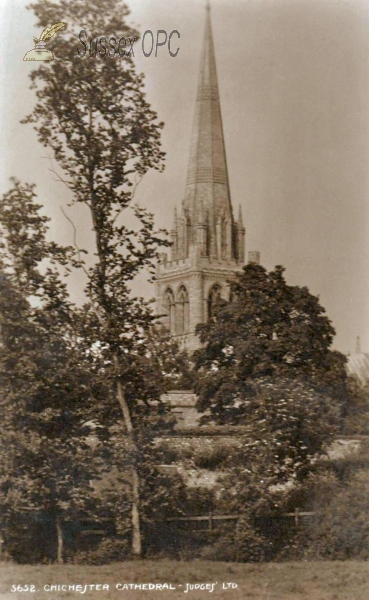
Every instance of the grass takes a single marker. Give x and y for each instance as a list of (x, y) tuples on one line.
[(347, 580)]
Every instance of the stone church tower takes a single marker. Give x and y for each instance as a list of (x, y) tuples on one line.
[(208, 242)]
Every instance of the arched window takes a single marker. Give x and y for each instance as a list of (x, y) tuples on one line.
[(215, 294), (182, 311), (169, 307)]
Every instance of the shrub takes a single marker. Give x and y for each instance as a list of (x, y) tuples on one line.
[(356, 421), (30, 538), (109, 550), (239, 543), (340, 529), (211, 457)]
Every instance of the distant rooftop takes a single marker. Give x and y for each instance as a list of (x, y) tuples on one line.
[(358, 364)]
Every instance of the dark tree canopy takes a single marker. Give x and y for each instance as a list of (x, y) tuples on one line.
[(92, 113), (47, 463), (61, 423), (268, 329), (267, 364)]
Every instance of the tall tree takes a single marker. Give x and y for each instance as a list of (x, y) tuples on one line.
[(57, 379), (267, 364), (268, 329), (93, 114), (47, 462)]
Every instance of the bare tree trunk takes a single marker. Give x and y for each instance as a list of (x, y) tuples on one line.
[(59, 533), (136, 527)]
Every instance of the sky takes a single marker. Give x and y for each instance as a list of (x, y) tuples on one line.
[(294, 86)]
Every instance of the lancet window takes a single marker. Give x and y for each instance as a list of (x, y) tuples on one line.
[(182, 311), (215, 294), (169, 307)]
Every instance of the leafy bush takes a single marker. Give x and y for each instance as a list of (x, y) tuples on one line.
[(211, 457), (240, 543), (172, 452), (29, 538), (356, 421), (109, 550), (340, 529)]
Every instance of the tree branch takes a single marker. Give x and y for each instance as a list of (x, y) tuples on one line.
[(98, 316), (135, 186)]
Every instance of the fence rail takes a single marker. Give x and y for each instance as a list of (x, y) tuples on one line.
[(211, 519)]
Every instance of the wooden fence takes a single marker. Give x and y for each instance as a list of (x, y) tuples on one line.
[(102, 527), (212, 520)]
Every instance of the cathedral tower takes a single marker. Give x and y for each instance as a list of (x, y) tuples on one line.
[(208, 243)]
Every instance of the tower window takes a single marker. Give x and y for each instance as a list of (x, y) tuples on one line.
[(215, 294), (182, 311), (169, 307)]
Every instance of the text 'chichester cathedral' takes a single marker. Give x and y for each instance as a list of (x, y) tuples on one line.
[(208, 244)]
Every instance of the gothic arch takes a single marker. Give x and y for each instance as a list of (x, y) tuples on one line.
[(214, 294), (182, 311), (169, 307)]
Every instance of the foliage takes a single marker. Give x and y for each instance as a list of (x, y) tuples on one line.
[(172, 364), (356, 417), (67, 429), (289, 426), (239, 543), (204, 452), (47, 461), (93, 115), (108, 550), (266, 364), (267, 329), (27, 538), (212, 457), (339, 528)]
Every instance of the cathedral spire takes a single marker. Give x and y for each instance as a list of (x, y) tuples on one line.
[(207, 176), (208, 245)]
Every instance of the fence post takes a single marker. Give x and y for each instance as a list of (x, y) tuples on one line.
[(211, 521), (297, 517)]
